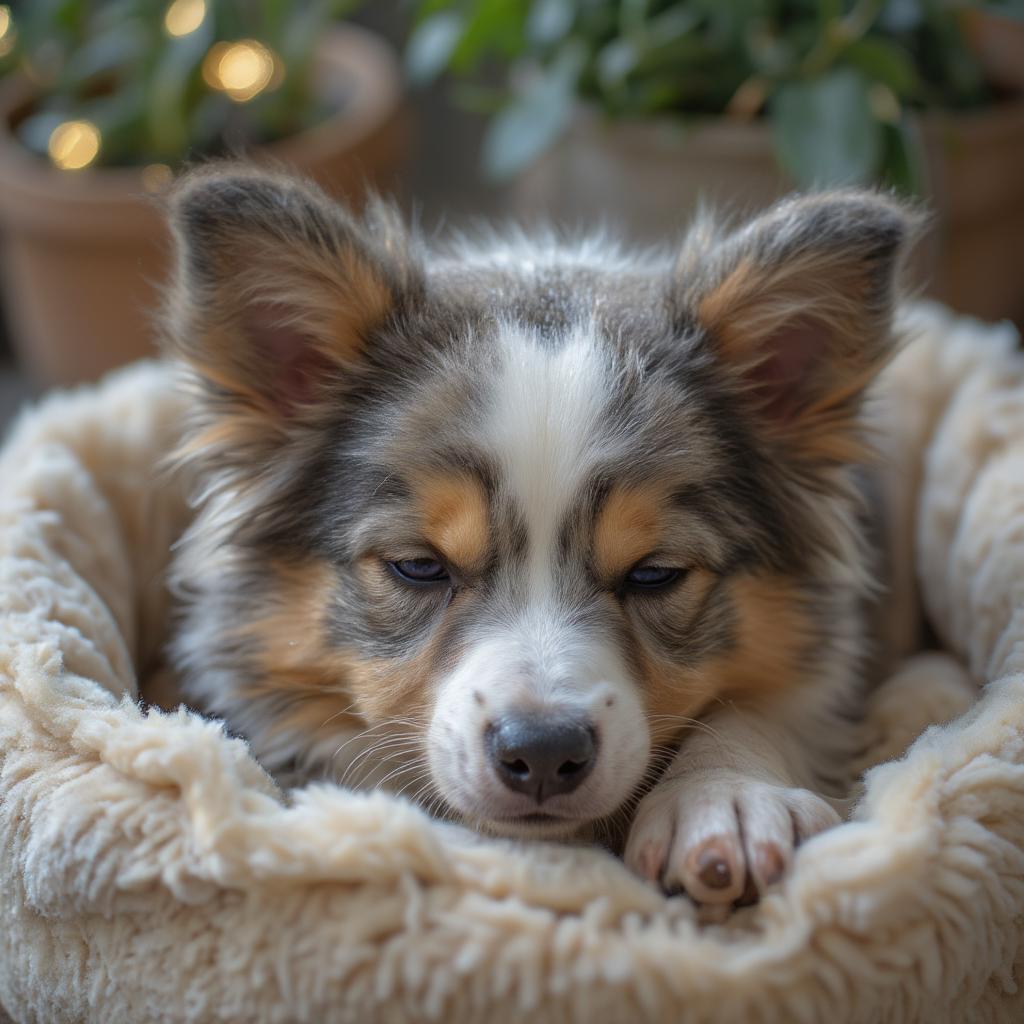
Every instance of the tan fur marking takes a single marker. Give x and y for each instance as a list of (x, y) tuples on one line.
[(323, 686), (724, 308), (673, 694), (367, 302), (290, 657), (455, 518), (332, 291), (337, 301), (752, 303), (238, 432), (628, 528), (674, 698), (772, 635)]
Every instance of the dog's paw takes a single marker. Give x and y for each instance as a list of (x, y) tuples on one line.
[(720, 838)]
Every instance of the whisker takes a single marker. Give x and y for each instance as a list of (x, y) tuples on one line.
[(416, 797), (386, 743), (362, 734), (691, 723), (386, 749), (422, 777), (435, 805), (383, 750), (337, 714), (395, 771)]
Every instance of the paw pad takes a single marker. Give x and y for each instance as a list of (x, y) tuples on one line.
[(713, 869)]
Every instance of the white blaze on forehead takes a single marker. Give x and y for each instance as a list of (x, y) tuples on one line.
[(544, 429)]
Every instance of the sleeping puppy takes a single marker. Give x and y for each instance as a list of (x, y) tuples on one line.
[(553, 539)]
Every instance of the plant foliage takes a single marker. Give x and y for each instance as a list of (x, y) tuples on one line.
[(116, 64), (836, 79)]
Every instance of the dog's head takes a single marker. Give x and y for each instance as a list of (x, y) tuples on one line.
[(518, 511)]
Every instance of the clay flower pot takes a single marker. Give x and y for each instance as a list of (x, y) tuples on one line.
[(85, 251), (647, 177)]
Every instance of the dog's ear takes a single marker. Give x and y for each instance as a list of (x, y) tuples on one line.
[(797, 305), (277, 288)]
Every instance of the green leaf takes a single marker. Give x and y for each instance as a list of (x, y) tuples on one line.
[(167, 113), (887, 62), (68, 14), (824, 131), (105, 53), (36, 129), (903, 162), (668, 41), (119, 118), (671, 24), (276, 17), (615, 62), (902, 15), (549, 21), (632, 15), (523, 130), (431, 46), (297, 43), (208, 122), (534, 120), (427, 8), (492, 26)]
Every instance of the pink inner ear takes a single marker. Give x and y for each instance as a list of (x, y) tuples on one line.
[(791, 358), (291, 364)]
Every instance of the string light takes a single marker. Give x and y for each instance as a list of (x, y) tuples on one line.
[(8, 33), (156, 177), (74, 145), (242, 69), (184, 16)]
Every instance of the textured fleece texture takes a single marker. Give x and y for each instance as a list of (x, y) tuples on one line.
[(150, 871)]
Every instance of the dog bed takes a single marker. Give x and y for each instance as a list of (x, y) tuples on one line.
[(150, 871)]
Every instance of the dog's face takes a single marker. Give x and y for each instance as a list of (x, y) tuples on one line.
[(514, 516)]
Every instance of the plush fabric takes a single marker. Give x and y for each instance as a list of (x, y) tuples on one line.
[(150, 871)]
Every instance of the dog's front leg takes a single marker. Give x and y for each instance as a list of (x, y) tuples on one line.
[(724, 820)]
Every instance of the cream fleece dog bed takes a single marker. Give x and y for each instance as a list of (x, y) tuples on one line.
[(150, 871)]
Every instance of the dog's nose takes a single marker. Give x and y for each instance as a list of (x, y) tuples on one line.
[(540, 757)]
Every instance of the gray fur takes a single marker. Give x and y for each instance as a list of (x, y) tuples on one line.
[(337, 487)]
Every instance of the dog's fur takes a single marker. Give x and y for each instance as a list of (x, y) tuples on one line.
[(541, 418)]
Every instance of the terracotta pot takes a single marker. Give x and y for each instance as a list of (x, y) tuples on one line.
[(998, 43), (84, 252), (647, 177)]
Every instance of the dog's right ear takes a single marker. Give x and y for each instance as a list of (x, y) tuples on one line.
[(277, 291)]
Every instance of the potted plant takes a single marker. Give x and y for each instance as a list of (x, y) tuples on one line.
[(635, 109), (105, 99)]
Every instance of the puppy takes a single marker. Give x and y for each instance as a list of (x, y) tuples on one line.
[(549, 538)]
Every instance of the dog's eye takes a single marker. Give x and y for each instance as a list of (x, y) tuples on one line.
[(419, 570), (650, 577)]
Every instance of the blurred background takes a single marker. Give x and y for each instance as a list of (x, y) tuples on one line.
[(620, 112)]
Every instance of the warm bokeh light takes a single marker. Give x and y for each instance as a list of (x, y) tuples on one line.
[(156, 177), (184, 16), (74, 145), (242, 70), (8, 33)]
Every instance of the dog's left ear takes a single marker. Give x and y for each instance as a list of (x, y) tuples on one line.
[(797, 305)]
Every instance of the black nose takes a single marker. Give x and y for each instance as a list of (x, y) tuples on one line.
[(541, 757)]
